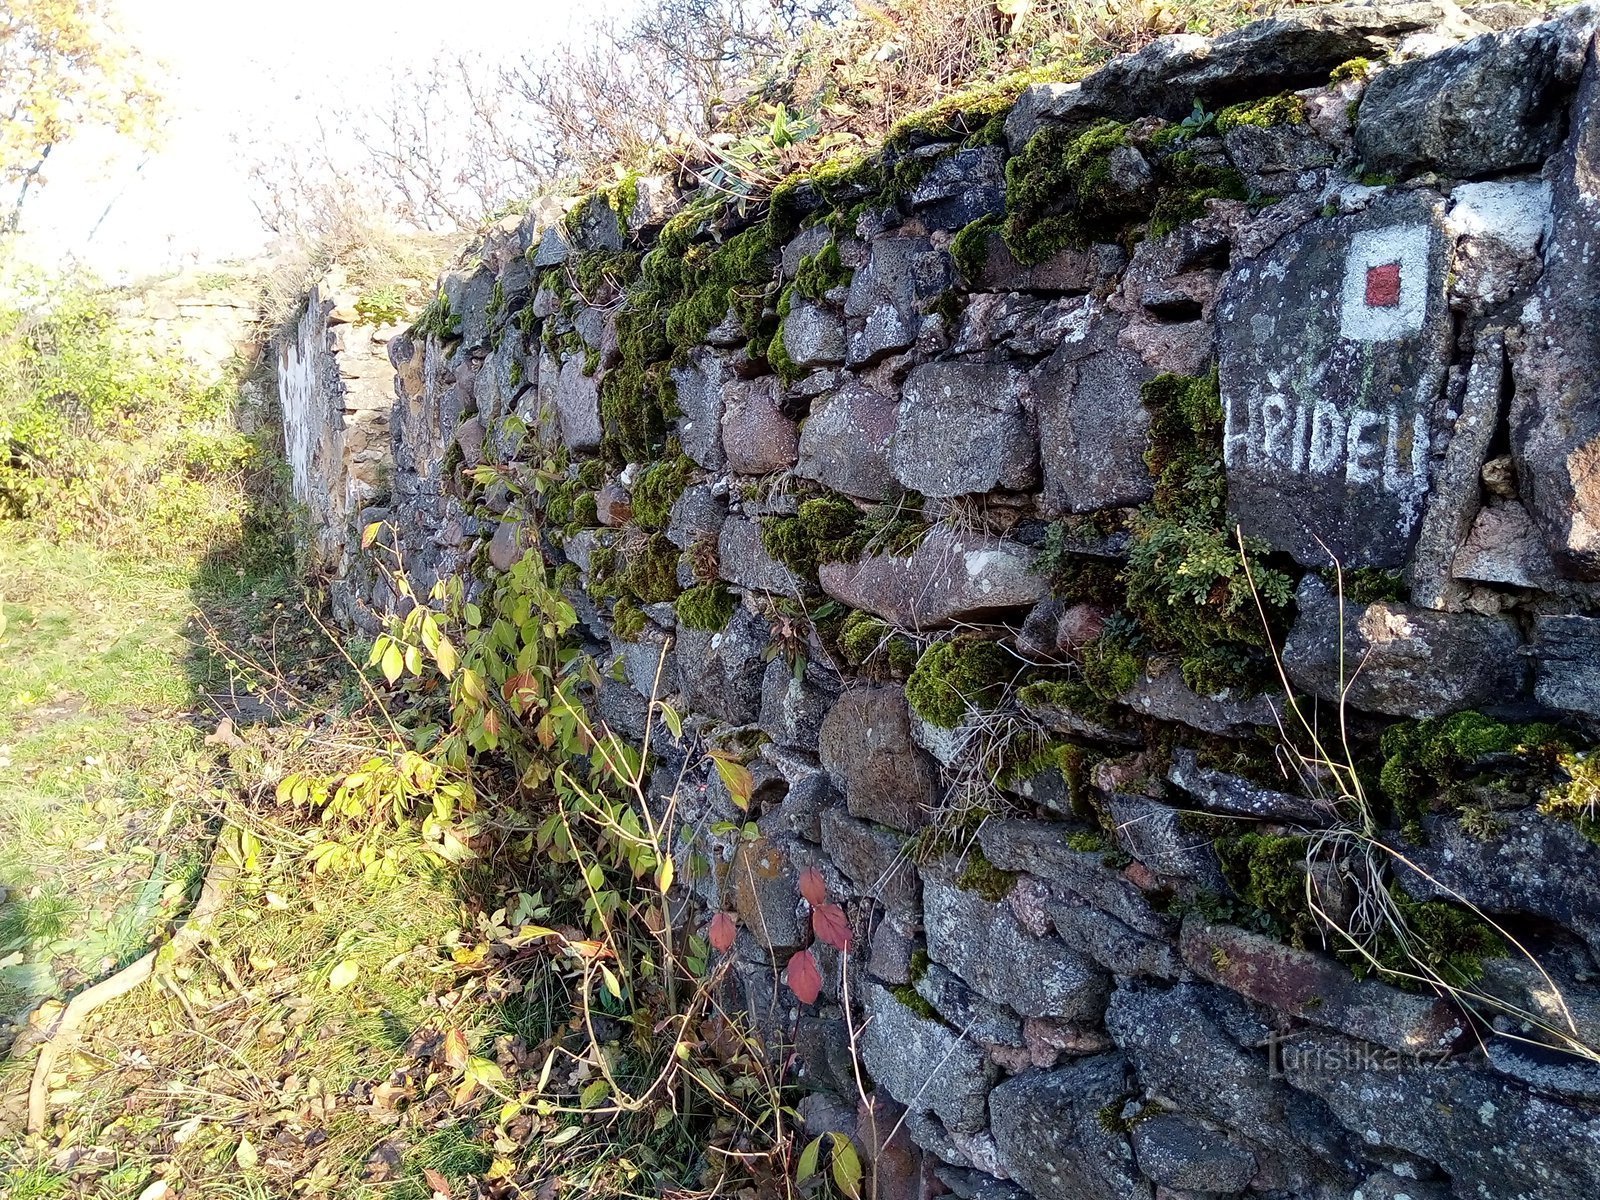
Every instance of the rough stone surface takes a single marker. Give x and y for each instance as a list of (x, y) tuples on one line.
[(845, 441), (949, 577), (1491, 104), (756, 436), (1218, 792), (1319, 990), (1153, 833), (1161, 693), (792, 710), (961, 428), (1093, 430), (877, 860), (882, 311), (979, 1019), (1400, 660), (1332, 351), (765, 894), (1177, 1152), (962, 187), (698, 513), (1566, 658), (698, 386), (742, 559), (866, 746), (985, 944), (1047, 1130), (812, 335), (721, 672), (922, 1063), (1555, 424), (575, 399)]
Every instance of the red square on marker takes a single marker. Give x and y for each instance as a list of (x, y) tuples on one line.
[(1383, 286)]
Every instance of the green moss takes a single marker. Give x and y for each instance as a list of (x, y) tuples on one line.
[(984, 878), (1111, 667), (585, 511), (919, 965), (825, 529), (977, 113), (437, 321), (861, 636), (628, 620), (708, 607), (970, 249), (913, 1000), (819, 273), (1059, 192), (650, 571), (566, 577), (1075, 578), (950, 677), (1268, 875), (1444, 938), (1186, 184), (902, 655), (1090, 841), (1433, 762), (1351, 68), (1285, 108), (658, 489), (1577, 797), (1368, 585), (592, 473), (1186, 582)]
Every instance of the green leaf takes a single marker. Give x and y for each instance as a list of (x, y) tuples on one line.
[(846, 1166), (808, 1160), (592, 1095)]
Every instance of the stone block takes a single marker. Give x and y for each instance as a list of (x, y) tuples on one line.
[(922, 1063), (866, 747), (844, 444), (963, 427), (949, 577)]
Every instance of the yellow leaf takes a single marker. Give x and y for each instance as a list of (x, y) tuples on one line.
[(394, 663), (445, 655), (370, 534), (246, 1155), (343, 975), (664, 875), (456, 1052)]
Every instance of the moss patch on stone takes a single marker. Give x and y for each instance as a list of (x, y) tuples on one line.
[(983, 878), (707, 606), (951, 677), (659, 487), (628, 620), (1059, 192), (1435, 763), (1285, 108)]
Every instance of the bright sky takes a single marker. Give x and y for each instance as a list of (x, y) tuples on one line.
[(233, 69)]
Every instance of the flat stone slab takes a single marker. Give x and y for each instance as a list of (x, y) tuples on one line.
[(949, 577), (963, 427), (1332, 350)]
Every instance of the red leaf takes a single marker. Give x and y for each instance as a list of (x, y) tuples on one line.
[(813, 887), (831, 925), (722, 931), (439, 1184), (803, 978)]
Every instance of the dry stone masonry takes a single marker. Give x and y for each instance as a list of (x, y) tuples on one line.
[(987, 494)]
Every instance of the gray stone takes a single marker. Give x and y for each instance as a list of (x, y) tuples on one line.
[(1074, 270), (949, 577), (792, 710), (1400, 660), (642, 659), (1046, 1126), (1550, 1071), (1332, 351), (1162, 693), (961, 187), (1453, 501), (1555, 424), (744, 561), (976, 1185), (1492, 1138), (1296, 49), (1505, 546), (507, 545), (809, 241), (573, 399), (922, 1063), (1218, 792), (469, 436), (1498, 227), (1155, 835), (1177, 1152), (979, 1019), (1387, 1186), (1319, 990), (1109, 942), (866, 747), (697, 514), (812, 335), (1183, 1041), (1491, 104), (1093, 430), (800, 812), (468, 294), (1535, 864), (962, 428), (986, 945), (1274, 159), (698, 386), (1566, 663), (597, 225), (875, 859), (844, 443), (554, 248), (721, 672), (882, 312), (766, 895), (757, 437), (1041, 848), (656, 198)]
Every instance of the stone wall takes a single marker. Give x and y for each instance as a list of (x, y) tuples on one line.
[(335, 390), (924, 476)]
